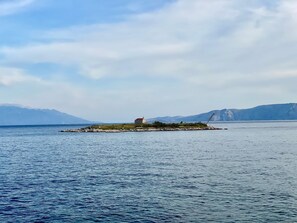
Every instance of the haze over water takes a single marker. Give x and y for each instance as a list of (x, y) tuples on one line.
[(245, 174)]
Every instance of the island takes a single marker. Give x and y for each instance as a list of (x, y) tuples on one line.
[(145, 127)]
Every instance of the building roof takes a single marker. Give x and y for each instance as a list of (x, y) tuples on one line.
[(139, 119)]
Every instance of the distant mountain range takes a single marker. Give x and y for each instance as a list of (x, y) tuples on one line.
[(18, 115), (263, 112)]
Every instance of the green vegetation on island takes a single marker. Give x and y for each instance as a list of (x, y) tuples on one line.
[(157, 125), (145, 127)]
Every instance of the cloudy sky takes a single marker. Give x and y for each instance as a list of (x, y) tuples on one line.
[(114, 60)]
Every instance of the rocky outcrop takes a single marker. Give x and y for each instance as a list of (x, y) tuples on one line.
[(98, 130)]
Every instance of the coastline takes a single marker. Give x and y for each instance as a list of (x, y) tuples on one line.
[(140, 129)]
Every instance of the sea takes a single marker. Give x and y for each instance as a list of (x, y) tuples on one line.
[(247, 173)]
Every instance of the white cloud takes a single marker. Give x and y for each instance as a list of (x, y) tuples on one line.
[(223, 47), (188, 38), (12, 6), (10, 76)]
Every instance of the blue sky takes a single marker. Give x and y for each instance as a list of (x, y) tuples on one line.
[(114, 60)]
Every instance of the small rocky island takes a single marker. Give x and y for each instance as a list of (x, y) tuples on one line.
[(145, 127)]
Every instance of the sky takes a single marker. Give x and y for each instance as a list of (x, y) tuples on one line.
[(115, 60)]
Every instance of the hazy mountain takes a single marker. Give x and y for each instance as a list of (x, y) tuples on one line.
[(17, 115), (263, 112)]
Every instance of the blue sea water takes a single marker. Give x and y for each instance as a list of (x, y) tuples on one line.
[(245, 174)]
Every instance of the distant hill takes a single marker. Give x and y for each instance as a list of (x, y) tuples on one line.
[(263, 112), (17, 115)]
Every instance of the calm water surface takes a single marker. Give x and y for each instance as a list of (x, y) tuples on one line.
[(245, 174)]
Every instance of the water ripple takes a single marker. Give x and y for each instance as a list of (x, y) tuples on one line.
[(245, 174)]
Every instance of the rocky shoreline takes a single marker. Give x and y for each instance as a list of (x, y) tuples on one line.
[(139, 129)]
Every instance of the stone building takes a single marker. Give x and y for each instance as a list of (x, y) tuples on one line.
[(140, 121)]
